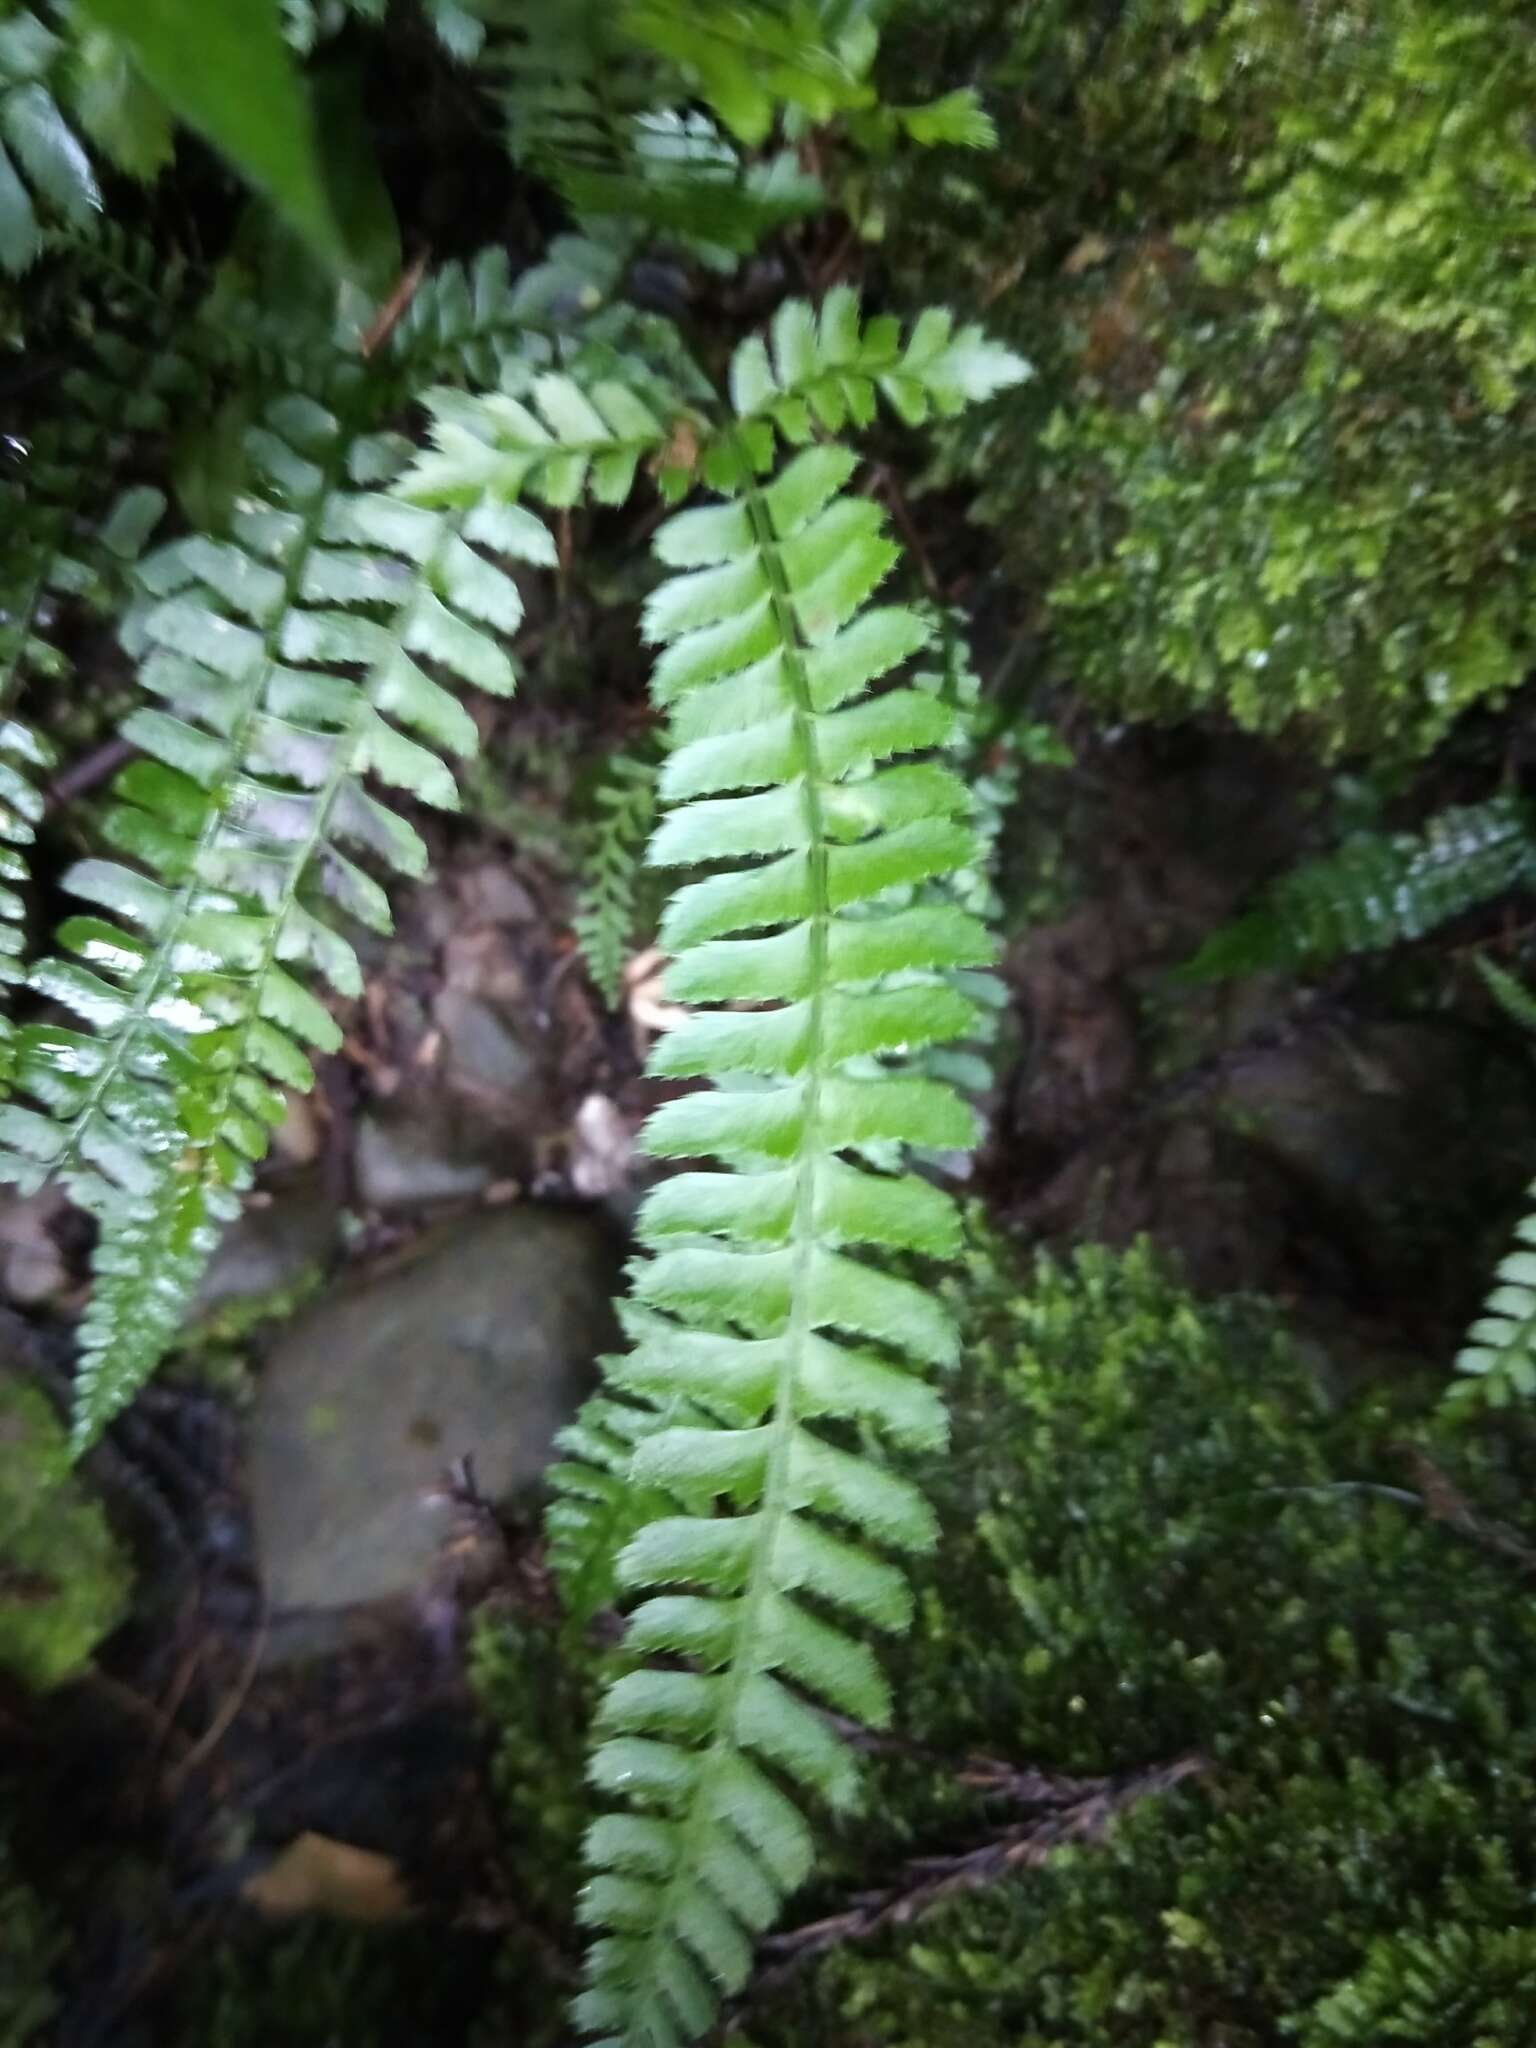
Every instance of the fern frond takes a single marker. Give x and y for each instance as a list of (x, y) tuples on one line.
[(290, 661), (46, 177), (758, 1273), (827, 372), (590, 108), (1510, 993), (596, 1507), (23, 757), (968, 1066), (762, 1301), (605, 919), (1500, 1351), (1377, 891), (307, 23), (759, 1301)]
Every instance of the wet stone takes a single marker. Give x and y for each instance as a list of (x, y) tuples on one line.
[(481, 1341)]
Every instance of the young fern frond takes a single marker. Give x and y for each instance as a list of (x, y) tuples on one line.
[(761, 1301), (1377, 890), (605, 919)]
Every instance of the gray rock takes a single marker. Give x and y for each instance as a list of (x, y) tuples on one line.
[(481, 1055), (291, 1227), (404, 1161), (481, 1341)]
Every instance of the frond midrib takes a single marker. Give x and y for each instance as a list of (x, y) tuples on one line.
[(774, 1508), (158, 971)]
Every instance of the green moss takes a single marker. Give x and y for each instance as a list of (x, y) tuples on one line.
[(1269, 262), (64, 1582), (537, 1686), (322, 1985), (32, 1945), (1161, 1542)]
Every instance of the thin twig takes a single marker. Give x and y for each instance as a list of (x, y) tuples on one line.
[(223, 1720), (88, 773), (1447, 1503), (926, 1880)]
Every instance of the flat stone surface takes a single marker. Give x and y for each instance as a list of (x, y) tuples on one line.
[(405, 1162), (271, 1244), (481, 1341)]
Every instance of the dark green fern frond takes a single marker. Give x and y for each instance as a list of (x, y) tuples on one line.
[(605, 918), (596, 1507), (597, 110), (46, 177), (1510, 993), (1377, 891)]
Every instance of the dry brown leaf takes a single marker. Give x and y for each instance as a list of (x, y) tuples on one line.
[(317, 1874)]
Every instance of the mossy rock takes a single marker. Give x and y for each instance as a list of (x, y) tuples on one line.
[(64, 1581)]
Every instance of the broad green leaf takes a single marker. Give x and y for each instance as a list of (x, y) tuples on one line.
[(225, 70)]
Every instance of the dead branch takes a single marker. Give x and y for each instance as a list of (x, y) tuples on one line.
[(926, 1880)]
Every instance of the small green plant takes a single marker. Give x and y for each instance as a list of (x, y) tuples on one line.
[(32, 1946), (614, 865), (63, 1580)]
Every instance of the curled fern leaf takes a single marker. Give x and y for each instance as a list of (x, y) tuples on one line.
[(1377, 891)]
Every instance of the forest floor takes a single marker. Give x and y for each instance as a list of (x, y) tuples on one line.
[(1269, 1139)]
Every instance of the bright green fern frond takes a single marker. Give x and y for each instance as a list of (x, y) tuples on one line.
[(1378, 890), (1500, 1351), (46, 178), (766, 1298), (605, 919), (295, 666), (23, 757), (827, 371)]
